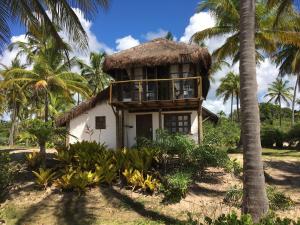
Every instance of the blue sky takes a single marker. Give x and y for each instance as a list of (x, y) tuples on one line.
[(128, 23)]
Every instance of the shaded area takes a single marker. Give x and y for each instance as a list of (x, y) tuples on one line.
[(111, 194), (197, 189)]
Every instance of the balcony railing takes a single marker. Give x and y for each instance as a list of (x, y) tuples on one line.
[(155, 90)]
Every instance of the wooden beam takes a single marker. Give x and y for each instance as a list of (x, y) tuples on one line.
[(159, 119), (200, 128), (122, 128)]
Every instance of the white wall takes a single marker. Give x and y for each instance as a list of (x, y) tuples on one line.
[(130, 120), (107, 136)]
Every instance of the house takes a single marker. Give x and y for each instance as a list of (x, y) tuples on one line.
[(160, 84)]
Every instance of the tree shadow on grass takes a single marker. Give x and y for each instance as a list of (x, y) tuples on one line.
[(111, 194)]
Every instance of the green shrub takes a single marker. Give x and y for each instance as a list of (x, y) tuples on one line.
[(233, 219), (43, 177), (175, 186), (6, 173), (293, 134), (277, 200), (271, 136), (233, 166)]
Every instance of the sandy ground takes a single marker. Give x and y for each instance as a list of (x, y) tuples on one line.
[(104, 205)]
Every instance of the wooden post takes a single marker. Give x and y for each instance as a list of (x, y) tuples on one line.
[(199, 87), (110, 93), (159, 119), (122, 128), (140, 92), (173, 90), (200, 128)]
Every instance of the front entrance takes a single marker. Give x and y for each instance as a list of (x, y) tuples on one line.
[(144, 126)]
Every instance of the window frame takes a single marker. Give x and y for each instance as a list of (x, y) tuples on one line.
[(176, 129), (102, 125)]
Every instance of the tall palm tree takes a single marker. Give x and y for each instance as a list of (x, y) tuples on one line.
[(279, 92), (15, 96), (34, 14), (93, 73), (50, 74), (226, 13), (255, 200), (288, 60), (230, 88)]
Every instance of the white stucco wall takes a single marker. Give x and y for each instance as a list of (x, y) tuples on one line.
[(130, 123), (77, 126)]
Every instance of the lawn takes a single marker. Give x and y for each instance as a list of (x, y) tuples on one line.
[(281, 153)]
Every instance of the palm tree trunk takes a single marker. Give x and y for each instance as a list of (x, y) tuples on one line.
[(280, 116), (237, 107), (46, 107), (255, 200), (294, 100), (13, 126), (231, 110)]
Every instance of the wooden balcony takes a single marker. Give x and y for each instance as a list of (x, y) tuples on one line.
[(172, 93)]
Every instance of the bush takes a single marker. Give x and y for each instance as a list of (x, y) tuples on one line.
[(233, 166), (6, 173), (277, 200), (175, 186), (232, 218), (293, 134), (271, 136)]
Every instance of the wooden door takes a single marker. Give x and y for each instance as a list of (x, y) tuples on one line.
[(144, 126)]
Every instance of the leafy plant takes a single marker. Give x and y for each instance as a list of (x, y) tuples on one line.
[(33, 159), (271, 135), (234, 167), (65, 181), (175, 186), (43, 176), (277, 200), (6, 173)]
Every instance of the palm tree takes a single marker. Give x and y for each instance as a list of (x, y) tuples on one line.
[(15, 97), (255, 200), (35, 14), (230, 88), (93, 73), (226, 13), (50, 74), (288, 60), (279, 92)]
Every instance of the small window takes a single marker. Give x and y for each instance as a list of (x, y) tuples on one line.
[(100, 122), (177, 123)]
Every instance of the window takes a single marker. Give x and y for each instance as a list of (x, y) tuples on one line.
[(100, 122), (177, 123)]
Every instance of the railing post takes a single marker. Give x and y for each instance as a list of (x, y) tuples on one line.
[(140, 92), (110, 93), (199, 87), (173, 90)]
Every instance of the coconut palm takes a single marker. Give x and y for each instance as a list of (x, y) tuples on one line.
[(48, 13), (288, 60), (226, 13), (50, 74), (279, 92), (230, 88), (255, 200), (15, 96), (283, 7), (93, 73)]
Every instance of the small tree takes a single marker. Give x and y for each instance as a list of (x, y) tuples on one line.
[(44, 132)]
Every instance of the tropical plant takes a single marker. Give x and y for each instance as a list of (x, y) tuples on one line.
[(288, 60), (15, 96), (279, 92), (33, 159), (49, 14), (230, 88), (43, 177), (226, 13), (93, 73), (50, 74), (255, 201), (6, 173)]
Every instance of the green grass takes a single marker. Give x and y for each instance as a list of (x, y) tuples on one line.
[(280, 153)]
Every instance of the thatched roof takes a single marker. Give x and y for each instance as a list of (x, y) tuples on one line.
[(82, 107), (158, 52)]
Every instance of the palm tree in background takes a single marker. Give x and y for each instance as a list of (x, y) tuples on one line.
[(50, 75), (226, 13), (34, 14), (255, 201), (288, 60), (93, 73), (14, 96), (230, 89), (279, 92)]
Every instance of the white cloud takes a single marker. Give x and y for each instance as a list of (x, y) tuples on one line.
[(126, 42), (156, 34)]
